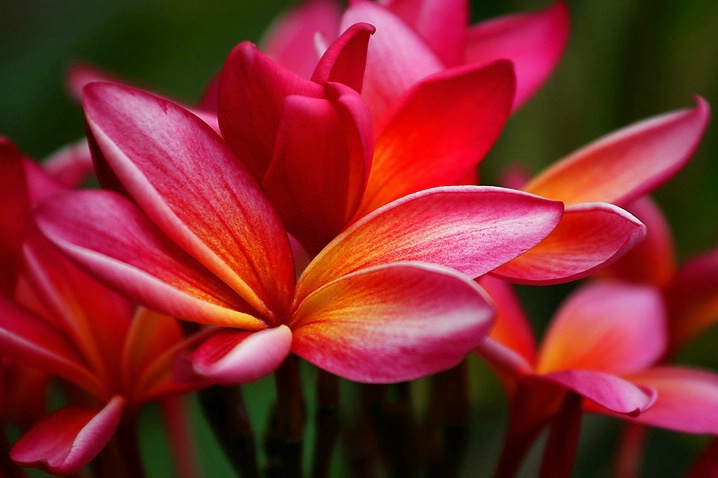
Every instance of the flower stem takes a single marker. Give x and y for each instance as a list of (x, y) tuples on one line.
[(121, 457), (174, 413), (560, 451), (227, 415), (8, 468), (630, 451), (327, 421), (284, 437)]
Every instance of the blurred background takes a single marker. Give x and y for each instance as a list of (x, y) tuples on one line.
[(626, 60)]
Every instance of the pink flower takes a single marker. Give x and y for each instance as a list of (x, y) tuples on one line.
[(199, 240), (58, 320)]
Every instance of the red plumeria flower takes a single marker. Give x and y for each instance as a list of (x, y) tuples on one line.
[(615, 170), (199, 240), (603, 345), (56, 319)]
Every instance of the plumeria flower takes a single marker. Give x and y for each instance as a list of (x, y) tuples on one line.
[(58, 320), (595, 182), (434, 35), (604, 345), (195, 237)]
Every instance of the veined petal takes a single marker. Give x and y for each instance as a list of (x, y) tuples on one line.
[(609, 391), (345, 59), (589, 236), (71, 164), (28, 340), (68, 439), (236, 357), (321, 161), (511, 328), (290, 39), (439, 131), (390, 71), (188, 182), (622, 329), (627, 164), (653, 260), (110, 237), (442, 23), (692, 299), (470, 229), (391, 323), (251, 101), (534, 42), (14, 214), (687, 399)]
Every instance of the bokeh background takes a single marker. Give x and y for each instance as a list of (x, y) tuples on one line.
[(626, 60)]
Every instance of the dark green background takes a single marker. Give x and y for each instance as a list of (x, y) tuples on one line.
[(626, 60)]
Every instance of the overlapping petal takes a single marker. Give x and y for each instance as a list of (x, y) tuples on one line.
[(589, 236), (534, 42), (687, 399), (14, 213), (392, 322), (469, 229), (110, 236), (631, 162), (622, 329), (439, 131), (188, 182), (609, 391), (69, 438), (345, 59), (390, 71), (236, 357), (71, 164)]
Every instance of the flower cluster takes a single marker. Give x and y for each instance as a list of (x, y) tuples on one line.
[(321, 205)]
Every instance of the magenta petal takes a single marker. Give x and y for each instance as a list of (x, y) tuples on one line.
[(439, 131), (345, 59), (251, 102), (236, 357), (14, 214), (589, 236), (70, 165), (609, 391), (68, 439), (687, 399), (442, 23), (622, 328), (109, 236), (470, 229), (627, 164), (194, 189), (290, 40), (391, 323), (390, 70), (534, 42)]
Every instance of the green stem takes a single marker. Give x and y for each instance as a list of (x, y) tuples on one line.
[(327, 421)]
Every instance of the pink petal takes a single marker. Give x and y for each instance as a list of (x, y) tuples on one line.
[(687, 399), (627, 164), (622, 329), (511, 328), (391, 323), (442, 23), (290, 39), (68, 439), (470, 229), (608, 391), (251, 102), (692, 299), (187, 181), (345, 59), (534, 42), (70, 165), (110, 237), (398, 57), (322, 157), (439, 131), (589, 236), (14, 214), (236, 357), (653, 260), (29, 340)]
